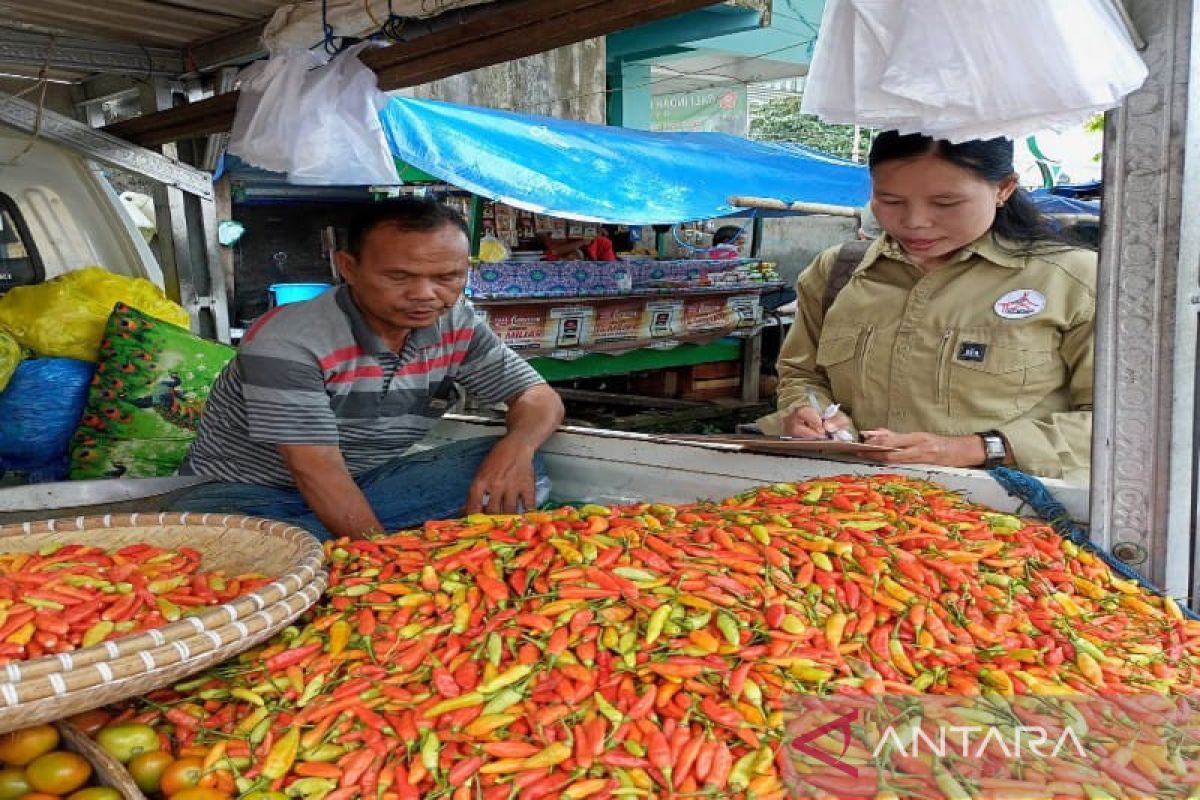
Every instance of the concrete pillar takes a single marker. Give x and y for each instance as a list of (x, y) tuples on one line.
[(1144, 422)]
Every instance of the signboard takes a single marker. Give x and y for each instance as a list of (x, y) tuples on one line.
[(721, 109)]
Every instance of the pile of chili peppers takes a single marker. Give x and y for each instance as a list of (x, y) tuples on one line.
[(72, 596), (652, 650)]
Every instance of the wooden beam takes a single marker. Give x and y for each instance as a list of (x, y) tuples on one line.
[(456, 42)]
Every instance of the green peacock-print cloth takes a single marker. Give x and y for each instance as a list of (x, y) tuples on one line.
[(151, 383)]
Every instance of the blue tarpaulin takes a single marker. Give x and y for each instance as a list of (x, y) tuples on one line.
[(606, 174), (1050, 202)]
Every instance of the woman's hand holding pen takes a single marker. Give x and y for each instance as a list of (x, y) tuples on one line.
[(805, 422)]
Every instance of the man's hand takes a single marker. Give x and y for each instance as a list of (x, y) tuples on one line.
[(927, 448), (505, 479), (324, 481), (805, 423), (506, 475)]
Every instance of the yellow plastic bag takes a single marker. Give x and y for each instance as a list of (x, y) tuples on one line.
[(10, 356), (65, 317)]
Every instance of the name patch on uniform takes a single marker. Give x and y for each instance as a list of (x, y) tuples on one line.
[(1020, 304), (972, 351)]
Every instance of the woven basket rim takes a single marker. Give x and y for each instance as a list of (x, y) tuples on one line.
[(105, 768), (162, 666), (307, 567)]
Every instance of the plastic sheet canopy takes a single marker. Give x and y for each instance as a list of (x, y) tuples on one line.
[(608, 174), (968, 69)]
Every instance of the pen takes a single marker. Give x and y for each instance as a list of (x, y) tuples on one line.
[(828, 414), (816, 405)]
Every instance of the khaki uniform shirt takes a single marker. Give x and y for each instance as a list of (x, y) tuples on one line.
[(990, 341)]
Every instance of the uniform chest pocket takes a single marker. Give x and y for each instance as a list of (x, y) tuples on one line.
[(841, 352), (991, 377)]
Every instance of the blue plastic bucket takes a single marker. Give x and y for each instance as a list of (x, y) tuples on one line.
[(284, 293)]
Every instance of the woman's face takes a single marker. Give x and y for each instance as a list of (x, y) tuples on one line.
[(934, 208)]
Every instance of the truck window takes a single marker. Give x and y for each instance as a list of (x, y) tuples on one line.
[(20, 264)]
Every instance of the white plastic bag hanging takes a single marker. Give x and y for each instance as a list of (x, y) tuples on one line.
[(339, 140), (317, 122), (963, 69), (269, 107)]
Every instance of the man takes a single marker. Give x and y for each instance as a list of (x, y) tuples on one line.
[(587, 248), (311, 420)]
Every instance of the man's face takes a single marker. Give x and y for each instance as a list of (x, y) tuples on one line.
[(406, 279)]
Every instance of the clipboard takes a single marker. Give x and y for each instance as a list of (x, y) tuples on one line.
[(780, 445)]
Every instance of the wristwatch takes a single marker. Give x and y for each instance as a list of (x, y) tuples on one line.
[(994, 448)]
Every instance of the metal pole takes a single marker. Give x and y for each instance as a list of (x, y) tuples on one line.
[(774, 204), (102, 147)]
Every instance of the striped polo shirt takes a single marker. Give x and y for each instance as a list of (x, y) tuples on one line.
[(315, 373)]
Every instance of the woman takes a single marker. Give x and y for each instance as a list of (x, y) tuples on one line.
[(727, 242), (963, 337), (586, 248)]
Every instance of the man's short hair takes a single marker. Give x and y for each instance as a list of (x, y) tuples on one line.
[(406, 214)]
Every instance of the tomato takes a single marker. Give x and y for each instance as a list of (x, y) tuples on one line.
[(127, 740), (182, 774), (90, 722), (147, 769), (96, 793), (20, 747), (58, 772), (196, 793), (13, 784)]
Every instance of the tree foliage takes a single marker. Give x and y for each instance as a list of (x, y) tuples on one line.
[(779, 119)]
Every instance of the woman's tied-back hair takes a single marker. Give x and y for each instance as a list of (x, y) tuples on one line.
[(1019, 220), (725, 234), (408, 214)]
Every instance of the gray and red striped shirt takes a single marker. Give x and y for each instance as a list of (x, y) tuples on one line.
[(315, 373)]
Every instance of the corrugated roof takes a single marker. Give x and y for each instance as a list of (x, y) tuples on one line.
[(177, 23)]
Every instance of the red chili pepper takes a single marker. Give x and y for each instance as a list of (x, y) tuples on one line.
[(288, 658)]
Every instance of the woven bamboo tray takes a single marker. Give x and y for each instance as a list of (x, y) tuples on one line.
[(106, 770), (62, 694), (230, 543)]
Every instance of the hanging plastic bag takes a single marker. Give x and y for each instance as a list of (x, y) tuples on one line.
[(65, 317), (339, 141), (269, 108), (966, 69)]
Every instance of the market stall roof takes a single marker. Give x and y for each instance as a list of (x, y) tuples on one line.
[(600, 173), (75, 39), (140, 22)]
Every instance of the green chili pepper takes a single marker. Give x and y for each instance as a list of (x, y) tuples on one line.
[(728, 626), (431, 750), (503, 701), (743, 771), (607, 709), (313, 689), (495, 649), (658, 619)]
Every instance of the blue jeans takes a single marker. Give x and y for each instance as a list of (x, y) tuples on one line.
[(404, 492)]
